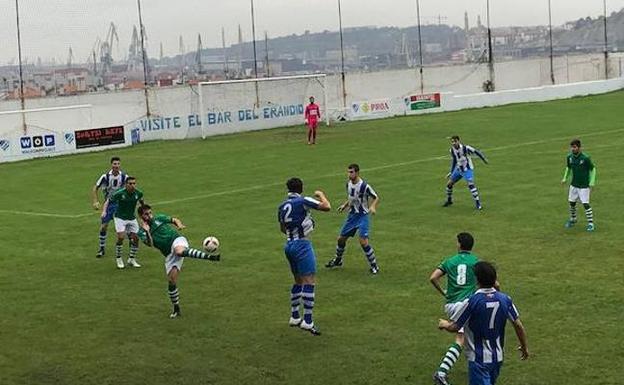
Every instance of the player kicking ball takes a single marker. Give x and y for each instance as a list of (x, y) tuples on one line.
[(162, 232)]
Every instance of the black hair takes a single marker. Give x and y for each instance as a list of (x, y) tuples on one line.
[(466, 241), (129, 178), (455, 137), (115, 158), (354, 166), (143, 209), (575, 142), (485, 273), (294, 185)]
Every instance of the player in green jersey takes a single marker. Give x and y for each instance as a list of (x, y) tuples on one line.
[(583, 172), (126, 200), (161, 232), (461, 284)]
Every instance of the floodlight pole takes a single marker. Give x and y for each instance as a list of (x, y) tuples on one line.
[(490, 53), (606, 47), (552, 68), (145, 64), (342, 71), (255, 54), (420, 54), (21, 72)]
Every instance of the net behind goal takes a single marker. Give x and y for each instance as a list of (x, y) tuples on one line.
[(253, 104)]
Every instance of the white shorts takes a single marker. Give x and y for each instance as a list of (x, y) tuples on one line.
[(579, 194), (173, 260), (453, 309), (125, 226)]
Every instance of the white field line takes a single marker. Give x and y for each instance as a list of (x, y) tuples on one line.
[(263, 186)]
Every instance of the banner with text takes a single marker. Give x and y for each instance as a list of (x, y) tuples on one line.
[(415, 103), (372, 109)]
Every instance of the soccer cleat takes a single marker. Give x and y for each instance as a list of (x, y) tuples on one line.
[(294, 321), (439, 378), (374, 269), (478, 206), (590, 227), (133, 262), (175, 314), (120, 264), (569, 223), (100, 253), (334, 262), (309, 328), (447, 203)]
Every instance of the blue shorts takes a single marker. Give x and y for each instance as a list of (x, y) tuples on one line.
[(300, 255), (110, 211), (356, 222), (483, 374), (458, 174)]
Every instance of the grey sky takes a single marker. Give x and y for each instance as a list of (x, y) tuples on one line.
[(49, 27)]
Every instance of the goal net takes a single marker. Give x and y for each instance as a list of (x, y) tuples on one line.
[(255, 104)]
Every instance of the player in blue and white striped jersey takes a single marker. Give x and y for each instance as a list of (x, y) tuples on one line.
[(362, 200), (484, 317), (462, 167), (109, 183), (295, 221)]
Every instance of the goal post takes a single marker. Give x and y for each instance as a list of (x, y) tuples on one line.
[(52, 119), (252, 104)]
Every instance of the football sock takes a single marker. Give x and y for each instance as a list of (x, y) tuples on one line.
[(339, 251), (118, 250), (295, 300), (474, 192), (589, 213), (451, 356), (102, 239), (308, 303), (449, 193), (573, 211), (370, 255), (133, 250), (174, 295), (194, 253)]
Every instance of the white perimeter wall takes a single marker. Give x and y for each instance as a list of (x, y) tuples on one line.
[(176, 110)]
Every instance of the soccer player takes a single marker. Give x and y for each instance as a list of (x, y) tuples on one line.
[(462, 167), (460, 285), (359, 193), (125, 221), (161, 232), (583, 172), (484, 317), (295, 221), (109, 182), (312, 117)]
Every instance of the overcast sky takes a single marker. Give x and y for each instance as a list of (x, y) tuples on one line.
[(50, 27)]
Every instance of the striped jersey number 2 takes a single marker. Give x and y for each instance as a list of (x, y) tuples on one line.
[(461, 274), (288, 208), (494, 306)]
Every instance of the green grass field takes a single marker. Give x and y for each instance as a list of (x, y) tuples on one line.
[(69, 318)]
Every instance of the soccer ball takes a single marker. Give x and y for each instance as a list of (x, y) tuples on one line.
[(211, 244)]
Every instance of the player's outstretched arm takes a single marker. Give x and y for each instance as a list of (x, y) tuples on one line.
[(522, 338), (435, 281), (449, 326), (94, 198), (178, 223), (566, 174), (482, 156), (343, 206), (324, 205)]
